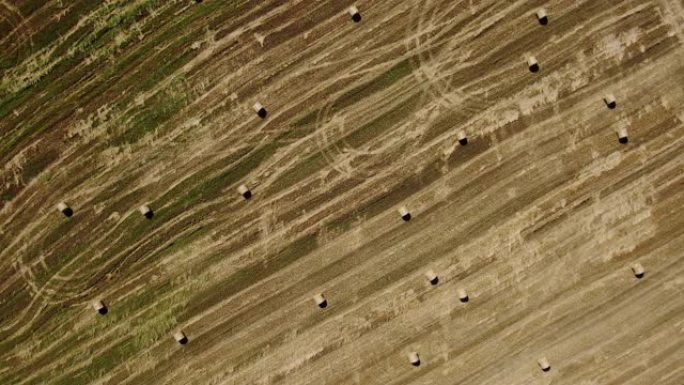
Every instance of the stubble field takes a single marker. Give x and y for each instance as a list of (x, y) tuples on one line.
[(110, 105)]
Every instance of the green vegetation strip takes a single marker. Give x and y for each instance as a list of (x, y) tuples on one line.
[(250, 275), (355, 139)]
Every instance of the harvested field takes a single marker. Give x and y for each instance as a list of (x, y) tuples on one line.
[(520, 263)]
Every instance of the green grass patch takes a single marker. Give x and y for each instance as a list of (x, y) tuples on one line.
[(101, 364), (53, 31), (6, 196), (161, 108), (188, 184), (136, 227), (28, 7), (12, 305), (58, 257), (399, 71), (306, 120), (54, 83), (384, 202), (302, 127), (38, 164), (44, 335), (250, 275), (157, 324), (53, 113), (213, 187), (57, 233), (117, 316), (145, 77), (369, 131), (115, 23), (188, 194), (9, 102), (382, 123), (301, 170)]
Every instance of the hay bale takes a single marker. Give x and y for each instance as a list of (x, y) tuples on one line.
[(462, 138), (354, 13), (414, 359), (320, 300), (533, 64), (405, 214), (65, 209), (180, 337), (610, 101), (638, 270), (432, 277), (99, 306), (245, 191), (146, 211), (542, 17), (463, 295), (544, 364), (623, 138), (260, 110)]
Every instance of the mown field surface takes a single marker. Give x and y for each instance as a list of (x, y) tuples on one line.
[(109, 105)]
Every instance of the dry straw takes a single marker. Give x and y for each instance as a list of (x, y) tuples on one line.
[(99, 306), (533, 64), (245, 191), (544, 364), (65, 209), (542, 17), (431, 277), (260, 110), (405, 214), (414, 359), (462, 138), (354, 13), (180, 337), (638, 270), (320, 300)]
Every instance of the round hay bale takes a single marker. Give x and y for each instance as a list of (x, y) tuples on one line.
[(320, 300)]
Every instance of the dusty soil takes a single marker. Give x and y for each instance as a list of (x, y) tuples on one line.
[(111, 105)]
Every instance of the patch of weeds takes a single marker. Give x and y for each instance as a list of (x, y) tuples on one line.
[(28, 7), (303, 169), (355, 139), (161, 108), (250, 275), (309, 118), (37, 165), (159, 323), (382, 123), (6, 196), (399, 71), (213, 187), (301, 127), (12, 305), (46, 178), (190, 183), (53, 31), (103, 363), (188, 193), (48, 85), (58, 233), (108, 23)]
